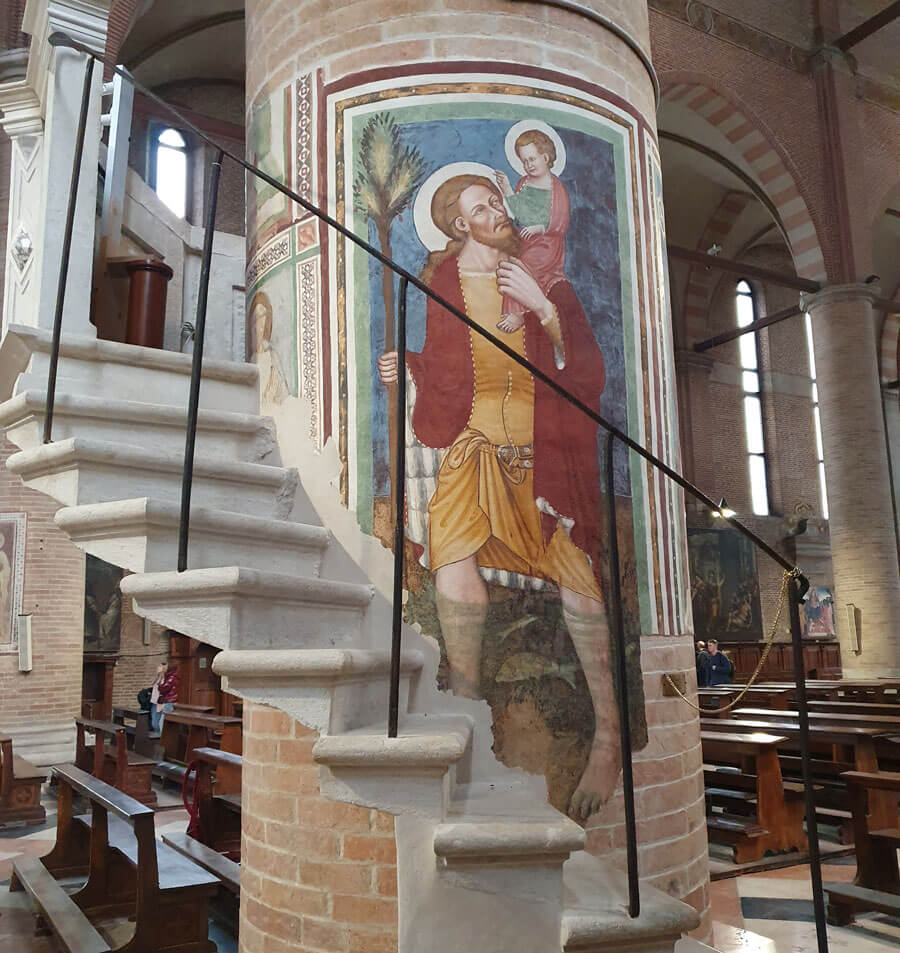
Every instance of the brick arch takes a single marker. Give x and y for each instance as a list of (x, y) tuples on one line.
[(779, 183), (702, 281)]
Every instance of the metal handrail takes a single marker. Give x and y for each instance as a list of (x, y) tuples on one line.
[(798, 584)]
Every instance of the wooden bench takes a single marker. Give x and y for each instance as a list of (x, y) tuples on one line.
[(890, 723), (760, 814), (184, 732), (113, 763), (877, 883), (136, 722), (855, 708), (20, 788), (196, 709), (129, 873)]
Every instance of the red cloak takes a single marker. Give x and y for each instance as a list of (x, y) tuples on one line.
[(566, 468)]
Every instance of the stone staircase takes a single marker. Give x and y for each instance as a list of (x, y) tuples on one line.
[(483, 861)]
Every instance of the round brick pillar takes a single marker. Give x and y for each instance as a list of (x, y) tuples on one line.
[(861, 517), (324, 81)]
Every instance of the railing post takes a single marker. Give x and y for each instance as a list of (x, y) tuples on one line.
[(618, 632), (67, 248), (190, 440), (400, 508), (797, 588)]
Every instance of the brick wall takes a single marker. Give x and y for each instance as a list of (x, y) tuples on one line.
[(54, 595), (136, 668), (316, 875)]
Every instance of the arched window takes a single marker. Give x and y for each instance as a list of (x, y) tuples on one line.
[(169, 166), (753, 417), (817, 422)]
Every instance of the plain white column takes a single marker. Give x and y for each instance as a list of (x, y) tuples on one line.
[(861, 519)]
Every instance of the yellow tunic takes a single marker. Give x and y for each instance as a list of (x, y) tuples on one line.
[(484, 502)]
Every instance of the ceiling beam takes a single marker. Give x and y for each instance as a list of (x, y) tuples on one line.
[(868, 27), (756, 325), (743, 269)]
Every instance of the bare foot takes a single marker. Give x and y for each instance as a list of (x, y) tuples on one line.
[(598, 781), (511, 322)]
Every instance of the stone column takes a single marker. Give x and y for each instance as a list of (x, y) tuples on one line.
[(41, 106), (863, 541)]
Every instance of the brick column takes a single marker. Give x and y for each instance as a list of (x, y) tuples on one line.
[(863, 540), (315, 874)]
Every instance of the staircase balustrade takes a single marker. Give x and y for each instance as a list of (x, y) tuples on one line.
[(797, 587)]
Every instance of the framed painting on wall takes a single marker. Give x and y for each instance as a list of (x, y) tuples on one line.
[(12, 575)]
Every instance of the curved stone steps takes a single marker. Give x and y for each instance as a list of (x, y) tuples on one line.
[(595, 916), (221, 435), (335, 690), (142, 535), (108, 369), (79, 471), (412, 773), (239, 608)]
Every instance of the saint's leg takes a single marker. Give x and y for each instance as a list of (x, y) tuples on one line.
[(589, 630), (462, 602)]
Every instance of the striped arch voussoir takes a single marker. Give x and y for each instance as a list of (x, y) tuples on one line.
[(770, 171)]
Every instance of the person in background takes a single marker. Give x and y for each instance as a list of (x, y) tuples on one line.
[(718, 669), (167, 682), (700, 656)]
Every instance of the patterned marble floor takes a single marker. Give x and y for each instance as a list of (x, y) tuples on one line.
[(772, 912), (16, 919)]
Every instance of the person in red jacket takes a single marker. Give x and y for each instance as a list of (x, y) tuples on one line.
[(167, 683), (518, 488)]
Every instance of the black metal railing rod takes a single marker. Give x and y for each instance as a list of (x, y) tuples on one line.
[(618, 631), (400, 508), (63, 279), (796, 590), (61, 39), (190, 439)]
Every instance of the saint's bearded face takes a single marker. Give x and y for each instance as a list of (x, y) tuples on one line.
[(483, 217)]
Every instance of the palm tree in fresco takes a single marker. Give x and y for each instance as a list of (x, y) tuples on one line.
[(389, 176)]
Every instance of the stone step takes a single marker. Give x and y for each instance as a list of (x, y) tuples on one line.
[(142, 535), (221, 435), (239, 608), (414, 772), (595, 916), (505, 823), (110, 370), (334, 690), (78, 472)]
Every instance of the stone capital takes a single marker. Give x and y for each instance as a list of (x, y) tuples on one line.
[(19, 105), (84, 20), (810, 302)]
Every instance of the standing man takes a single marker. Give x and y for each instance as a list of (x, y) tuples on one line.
[(717, 667), (518, 487), (700, 661)]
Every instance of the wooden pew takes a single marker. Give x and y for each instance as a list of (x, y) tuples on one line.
[(20, 788), (855, 708), (761, 815), (196, 709), (136, 722), (113, 763), (877, 883), (184, 732), (890, 723), (128, 873), (215, 843)]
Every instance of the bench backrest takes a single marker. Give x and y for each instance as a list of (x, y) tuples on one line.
[(6, 765), (100, 728), (104, 798)]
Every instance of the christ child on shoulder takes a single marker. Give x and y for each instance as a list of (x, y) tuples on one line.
[(539, 206)]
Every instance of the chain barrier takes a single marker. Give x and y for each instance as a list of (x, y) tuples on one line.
[(786, 578)]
